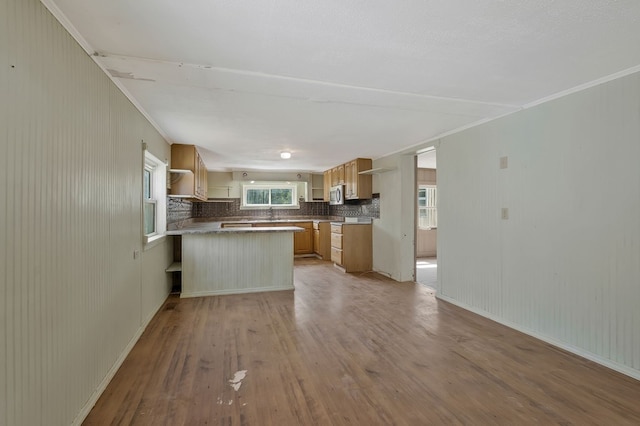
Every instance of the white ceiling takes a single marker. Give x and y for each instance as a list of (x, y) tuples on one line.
[(333, 80)]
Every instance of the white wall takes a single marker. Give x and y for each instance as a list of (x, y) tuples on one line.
[(394, 231), (565, 266), (426, 242), (72, 297), (229, 184)]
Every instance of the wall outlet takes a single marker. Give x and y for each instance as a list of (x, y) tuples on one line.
[(136, 254), (505, 213), (504, 162)]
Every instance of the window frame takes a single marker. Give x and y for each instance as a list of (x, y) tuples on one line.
[(270, 186), (157, 198), (149, 168), (429, 199)]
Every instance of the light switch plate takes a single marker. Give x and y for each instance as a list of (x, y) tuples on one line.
[(504, 162), (505, 213)]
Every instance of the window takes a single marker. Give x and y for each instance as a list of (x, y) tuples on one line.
[(154, 183), (427, 209), (149, 203), (269, 195)]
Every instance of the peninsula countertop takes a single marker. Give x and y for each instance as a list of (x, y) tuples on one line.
[(216, 228)]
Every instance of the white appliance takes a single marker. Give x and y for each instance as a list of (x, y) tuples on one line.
[(336, 195)]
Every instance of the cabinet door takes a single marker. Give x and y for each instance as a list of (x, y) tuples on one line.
[(340, 174), (327, 184), (334, 176), (325, 240), (358, 186), (336, 256), (316, 241), (351, 180), (303, 241), (356, 253)]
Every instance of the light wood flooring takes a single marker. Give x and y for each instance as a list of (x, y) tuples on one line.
[(427, 271), (348, 349)]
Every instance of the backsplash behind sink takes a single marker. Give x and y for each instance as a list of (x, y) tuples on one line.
[(180, 209), (231, 207)]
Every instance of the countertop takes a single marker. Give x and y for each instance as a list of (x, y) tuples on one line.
[(251, 221), (354, 221), (203, 226), (215, 228)]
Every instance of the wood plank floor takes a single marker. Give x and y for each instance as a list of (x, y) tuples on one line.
[(352, 350)]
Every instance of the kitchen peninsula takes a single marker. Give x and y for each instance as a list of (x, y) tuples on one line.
[(217, 260)]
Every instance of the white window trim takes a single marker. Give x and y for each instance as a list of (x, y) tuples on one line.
[(246, 187), (426, 228), (158, 170)]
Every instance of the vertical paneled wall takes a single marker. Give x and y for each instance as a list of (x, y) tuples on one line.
[(393, 232), (565, 264), (72, 296)]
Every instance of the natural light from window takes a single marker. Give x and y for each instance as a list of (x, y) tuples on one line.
[(154, 204), (427, 208), (269, 195)]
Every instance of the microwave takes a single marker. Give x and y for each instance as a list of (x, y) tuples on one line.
[(336, 195)]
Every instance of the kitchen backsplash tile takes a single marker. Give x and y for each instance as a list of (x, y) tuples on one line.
[(180, 209), (358, 208), (231, 207)]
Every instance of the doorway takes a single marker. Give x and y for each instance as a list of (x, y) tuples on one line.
[(426, 219)]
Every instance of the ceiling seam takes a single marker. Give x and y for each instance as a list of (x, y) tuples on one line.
[(305, 80), (84, 44)]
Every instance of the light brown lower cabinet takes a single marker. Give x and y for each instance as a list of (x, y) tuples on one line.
[(322, 239), (302, 241), (351, 246)]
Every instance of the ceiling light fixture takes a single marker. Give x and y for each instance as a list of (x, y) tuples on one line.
[(285, 155)]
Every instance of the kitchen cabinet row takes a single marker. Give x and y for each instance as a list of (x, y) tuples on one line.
[(347, 245), (303, 242), (188, 173), (356, 186), (188, 176)]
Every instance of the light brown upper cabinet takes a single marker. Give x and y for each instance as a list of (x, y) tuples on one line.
[(337, 175), (303, 241), (357, 186), (327, 184), (186, 158)]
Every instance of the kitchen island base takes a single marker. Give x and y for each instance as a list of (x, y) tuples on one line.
[(237, 262)]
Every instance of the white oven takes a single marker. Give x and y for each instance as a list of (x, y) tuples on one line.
[(336, 195)]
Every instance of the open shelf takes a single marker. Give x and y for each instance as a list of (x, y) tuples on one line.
[(174, 267), (377, 171)]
